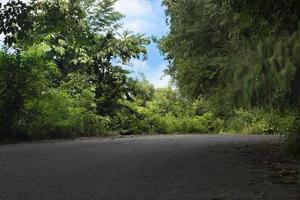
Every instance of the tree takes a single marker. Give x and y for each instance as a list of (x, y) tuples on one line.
[(77, 37), (15, 21), (246, 48), (84, 38), (196, 45), (23, 76)]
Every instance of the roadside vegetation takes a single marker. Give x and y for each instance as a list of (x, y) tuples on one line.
[(241, 58), (235, 65)]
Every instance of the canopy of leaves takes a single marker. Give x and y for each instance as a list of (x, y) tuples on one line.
[(246, 48), (83, 43)]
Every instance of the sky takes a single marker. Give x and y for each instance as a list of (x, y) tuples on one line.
[(145, 17)]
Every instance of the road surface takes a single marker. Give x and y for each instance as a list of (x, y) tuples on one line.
[(190, 167)]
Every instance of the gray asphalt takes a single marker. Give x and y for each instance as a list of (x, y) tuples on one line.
[(143, 168)]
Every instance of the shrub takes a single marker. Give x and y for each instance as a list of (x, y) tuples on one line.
[(292, 139), (58, 115), (22, 77), (169, 124), (258, 121)]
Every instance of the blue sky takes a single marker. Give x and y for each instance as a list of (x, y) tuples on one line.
[(145, 17)]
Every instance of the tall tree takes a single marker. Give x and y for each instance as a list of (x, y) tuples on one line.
[(84, 37), (246, 48), (76, 37)]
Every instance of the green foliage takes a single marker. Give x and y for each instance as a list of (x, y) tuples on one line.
[(270, 74), (14, 21), (238, 55), (247, 48), (292, 139), (61, 78), (22, 76), (58, 115), (169, 113), (258, 121), (235, 64), (193, 124), (196, 45)]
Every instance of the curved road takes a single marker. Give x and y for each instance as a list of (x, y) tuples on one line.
[(190, 167)]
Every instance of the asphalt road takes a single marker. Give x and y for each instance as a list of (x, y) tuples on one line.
[(144, 168)]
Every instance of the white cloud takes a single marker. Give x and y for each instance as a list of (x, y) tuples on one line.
[(158, 79), (134, 8), (161, 82), (145, 17), (136, 67), (5, 1), (141, 16), (140, 26), (140, 66)]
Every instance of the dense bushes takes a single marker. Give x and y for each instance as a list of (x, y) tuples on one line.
[(166, 112), (58, 71), (58, 115), (46, 110), (23, 76), (192, 124), (32, 108), (67, 80), (258, 121), (240, 56), (35, 107)]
